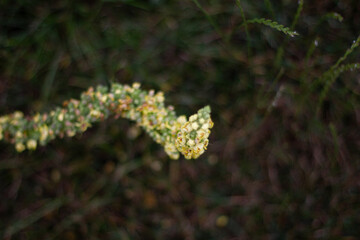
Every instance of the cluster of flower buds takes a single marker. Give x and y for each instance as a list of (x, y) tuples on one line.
[(146, 108), (193, 136)]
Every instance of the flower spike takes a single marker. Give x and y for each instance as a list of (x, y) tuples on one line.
[(146, 108)]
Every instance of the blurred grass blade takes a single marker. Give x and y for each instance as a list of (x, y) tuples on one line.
[(297, 14), (49, 80), (248, 44), (82, 212), (354, 45), (309, 53), (334, 15), (19, 225), (137, 4), (330, 78), (336, 143), (270, 8), (335, 70), (281, 49), (209, 18)]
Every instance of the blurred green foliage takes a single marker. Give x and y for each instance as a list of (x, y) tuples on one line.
[(283, 162)]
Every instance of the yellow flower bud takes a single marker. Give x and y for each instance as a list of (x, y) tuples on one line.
[(205, 126), (61, 117), (18, 115), (171, 150), (160, 97), (136, 85), (37, 117), (181, 119), (95, 113), (31, 144), (191, 142), (193, 118), (70, 133), (104, 98), (18, 134), (20, 147), (44, 132), (4, 119), (195, 126)]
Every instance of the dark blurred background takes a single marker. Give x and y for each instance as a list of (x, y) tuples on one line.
[(276, 168)]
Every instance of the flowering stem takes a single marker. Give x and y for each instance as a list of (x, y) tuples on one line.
[(146, 108)]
